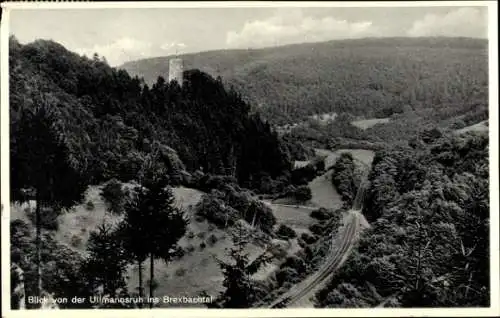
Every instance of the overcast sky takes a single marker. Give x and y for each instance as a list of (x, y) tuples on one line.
[(123, 35)]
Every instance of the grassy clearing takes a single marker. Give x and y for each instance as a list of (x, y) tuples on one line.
[(324, 193), (296, 218), (196, 271), (367, 123), (476, 127), (77, 222)]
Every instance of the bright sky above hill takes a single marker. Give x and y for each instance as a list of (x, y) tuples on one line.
[(123, 35)]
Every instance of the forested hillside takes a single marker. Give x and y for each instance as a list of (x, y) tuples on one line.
[(363, 77), (104, 121)]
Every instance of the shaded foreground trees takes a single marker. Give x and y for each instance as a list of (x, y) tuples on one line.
[(42, 167), (151, 227), (62, 267)]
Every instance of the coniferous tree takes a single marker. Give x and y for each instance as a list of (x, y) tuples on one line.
[(165, 223), (41, 161), (106, 265), (131, 232), (114, 196), (153, 224), (241, 291)]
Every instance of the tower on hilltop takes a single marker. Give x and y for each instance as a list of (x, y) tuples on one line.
[(175, 70)]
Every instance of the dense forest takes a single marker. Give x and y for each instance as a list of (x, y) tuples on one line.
[(428, 243), (107, 121), (364, 77)]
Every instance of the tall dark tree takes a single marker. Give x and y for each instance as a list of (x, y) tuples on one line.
[(42, 166), (165, 222), (153, 224), (131, 232)]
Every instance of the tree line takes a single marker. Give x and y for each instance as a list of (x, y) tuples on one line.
[(109, 120)]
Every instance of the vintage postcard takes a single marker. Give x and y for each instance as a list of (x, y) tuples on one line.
[(249, 159)]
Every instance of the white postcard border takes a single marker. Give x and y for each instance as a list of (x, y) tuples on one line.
[(369, 312)]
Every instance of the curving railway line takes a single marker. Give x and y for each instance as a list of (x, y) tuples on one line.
[(345, 241), (300, 294)]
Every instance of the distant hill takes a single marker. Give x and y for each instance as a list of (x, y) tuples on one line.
[(374, 77)]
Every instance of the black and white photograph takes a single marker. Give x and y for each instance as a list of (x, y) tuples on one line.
[(249, 155)]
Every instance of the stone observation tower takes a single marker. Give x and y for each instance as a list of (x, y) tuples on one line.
[(175, 70)]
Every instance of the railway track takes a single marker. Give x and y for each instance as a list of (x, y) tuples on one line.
[(345, 240), (332, 263)]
